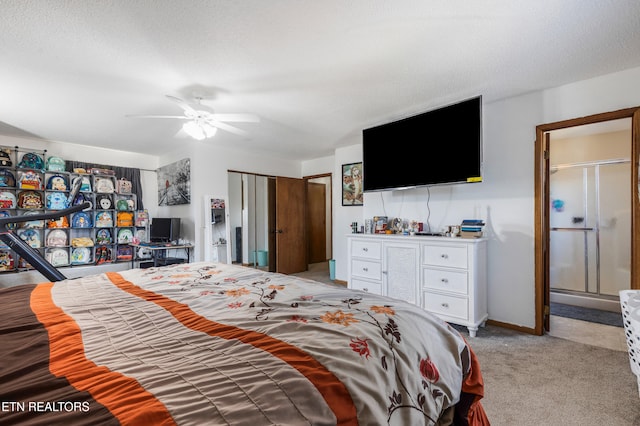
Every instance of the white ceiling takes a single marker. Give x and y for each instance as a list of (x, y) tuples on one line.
[(315, 72)]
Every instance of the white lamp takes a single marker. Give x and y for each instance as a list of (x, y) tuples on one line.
[(199, 130)]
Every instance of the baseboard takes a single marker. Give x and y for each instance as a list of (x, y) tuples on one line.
[(340, 282), (514, 327)]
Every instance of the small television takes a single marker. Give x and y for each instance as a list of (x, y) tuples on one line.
[(441, 146), (164, 229)]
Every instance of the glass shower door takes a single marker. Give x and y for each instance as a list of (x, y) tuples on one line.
[(590, 222)]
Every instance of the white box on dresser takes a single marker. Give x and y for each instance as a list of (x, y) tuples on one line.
[(445, 276)]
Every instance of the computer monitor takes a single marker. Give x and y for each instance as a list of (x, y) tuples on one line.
[(165, 229)]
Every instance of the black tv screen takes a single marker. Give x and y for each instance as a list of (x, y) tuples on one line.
[(442, 146), (165, 229)]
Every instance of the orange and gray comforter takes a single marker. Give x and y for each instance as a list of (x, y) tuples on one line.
[(214, 344)]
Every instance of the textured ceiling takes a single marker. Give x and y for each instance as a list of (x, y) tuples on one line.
[(315, 72)]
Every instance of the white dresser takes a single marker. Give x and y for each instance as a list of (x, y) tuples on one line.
[(445, 276)]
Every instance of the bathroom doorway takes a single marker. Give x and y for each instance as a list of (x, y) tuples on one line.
[(587, 211), (590, 214)]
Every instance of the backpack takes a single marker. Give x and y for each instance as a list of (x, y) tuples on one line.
[(104, 220), (124, 253), (5, 159), (30, 180), (7, 179), (31, 160), (103, 255), (56, 201), (57, 183), (38, 224), (104, 202), (86, 183), (80, 198), (55, 164), (7, 200), (104, 185), (81, 255), (57, 256), (142, 218), (103, 236), (61, 222), (6, 261), (122, 205), (57, 238), (31, 237), (124, 186), (30, 200), (81, 220), (125, 236), (4, 214), (124, 219)]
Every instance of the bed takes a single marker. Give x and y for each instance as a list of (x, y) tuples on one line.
[(213, 344)]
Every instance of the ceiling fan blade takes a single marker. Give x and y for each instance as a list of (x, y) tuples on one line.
[(181, 134), (181, 117), (228, 128), (185, 106), (238, 118)]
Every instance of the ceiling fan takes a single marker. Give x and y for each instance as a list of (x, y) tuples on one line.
[(201, 124)]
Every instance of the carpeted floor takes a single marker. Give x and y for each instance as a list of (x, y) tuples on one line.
[(543, 380), (587, 314)]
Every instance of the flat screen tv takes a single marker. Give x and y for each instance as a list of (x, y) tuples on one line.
[(441, 146), (164, 229)]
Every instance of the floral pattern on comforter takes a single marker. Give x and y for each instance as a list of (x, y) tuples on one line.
[(400, 364), (206, 343)]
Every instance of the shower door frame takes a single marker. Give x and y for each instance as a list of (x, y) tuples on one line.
[(542, 205), (596, 165)]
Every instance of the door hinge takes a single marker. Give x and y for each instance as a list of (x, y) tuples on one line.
[(546, 155), (547, 310)]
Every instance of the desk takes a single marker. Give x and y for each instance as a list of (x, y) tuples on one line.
[(158, 252)]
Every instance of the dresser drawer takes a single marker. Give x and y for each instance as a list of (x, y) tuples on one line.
[(366, 269), (451, 306), (449, 256), (366, 249), (367, 286), (447, 280)]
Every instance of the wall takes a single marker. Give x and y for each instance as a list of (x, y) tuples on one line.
[(505, 198), (209, 166), (92, 155)]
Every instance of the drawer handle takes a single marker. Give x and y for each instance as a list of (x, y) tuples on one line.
[(365, 269), (445, 305), (365, 289), (365, 249), (444, 256), (444, 280)]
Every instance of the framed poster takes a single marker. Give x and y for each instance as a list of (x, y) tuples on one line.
[(352, 184), (174, 183)]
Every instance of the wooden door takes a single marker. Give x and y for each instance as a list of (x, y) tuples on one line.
[(291, 236), (271, 197), (316, 221)]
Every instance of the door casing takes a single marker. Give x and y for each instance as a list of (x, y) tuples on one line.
[(542, 203)]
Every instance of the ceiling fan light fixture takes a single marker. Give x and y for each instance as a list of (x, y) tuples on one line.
[(209, 130), (199, 131)]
